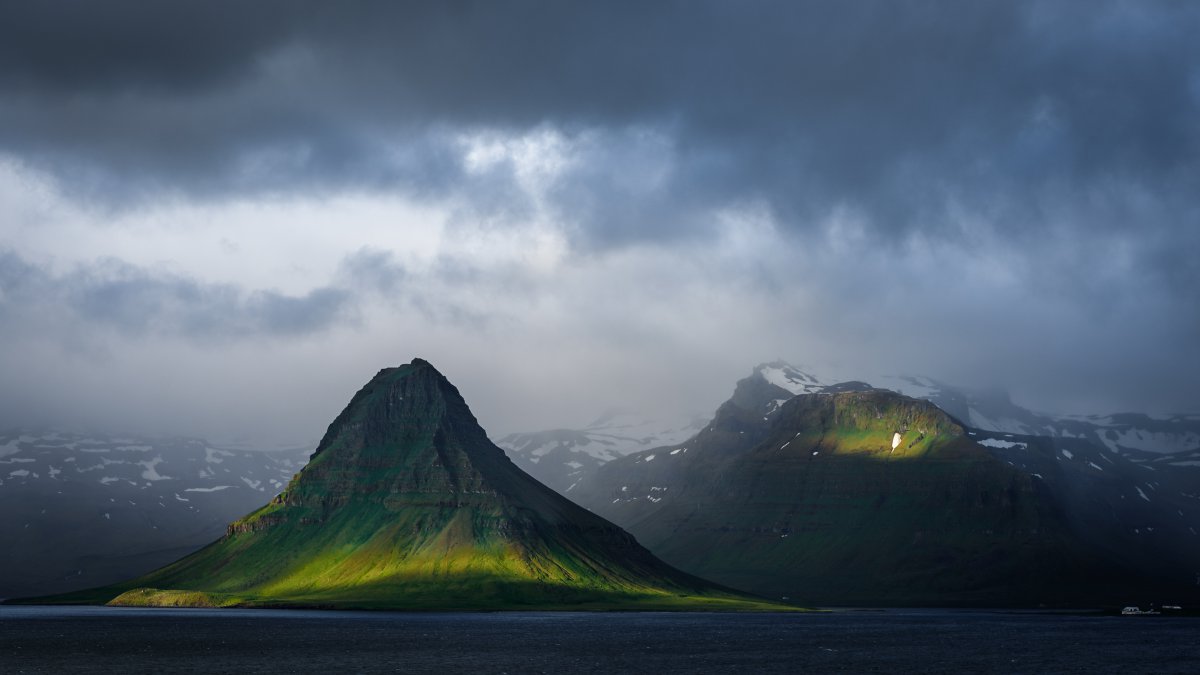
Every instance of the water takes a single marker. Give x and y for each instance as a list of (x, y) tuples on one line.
[(83, 639)]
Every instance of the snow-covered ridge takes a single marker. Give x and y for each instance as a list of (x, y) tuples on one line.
[(610, 436), (177, 463), (789, 378), (560, 457), (87, 510), (994, 411)]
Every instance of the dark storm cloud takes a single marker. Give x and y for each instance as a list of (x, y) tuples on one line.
[(75, 45), (910, 112), (374, 270), (1039, 160), (135, 301)]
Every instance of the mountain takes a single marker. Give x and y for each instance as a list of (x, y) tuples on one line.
[(82, 510), (847, 494), (559, 457), (993, 410), (406, 504)]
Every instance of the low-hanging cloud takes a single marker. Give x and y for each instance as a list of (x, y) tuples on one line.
[(135, 302), (1011, 184)]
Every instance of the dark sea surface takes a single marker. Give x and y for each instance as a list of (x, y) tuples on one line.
[(121, 640)]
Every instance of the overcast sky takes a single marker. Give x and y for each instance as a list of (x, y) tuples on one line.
[(222, 218)]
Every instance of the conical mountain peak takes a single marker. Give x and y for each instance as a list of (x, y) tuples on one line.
[(405, 402), (406, 503), (408, 431)]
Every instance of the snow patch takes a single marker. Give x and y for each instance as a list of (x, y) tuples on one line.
[(1153, 441), (788, 379), (1140, 493), (209, 489), (895, 440), (1095, 466), (151, 473), (254, 484), (1067, 454), (774, 406), (997, 443), (10, 448), (19, 473), (1103, 436), (649, 458), (108, 479)]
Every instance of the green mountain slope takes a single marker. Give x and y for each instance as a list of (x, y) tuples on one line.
[(407, 504), (861, 496)]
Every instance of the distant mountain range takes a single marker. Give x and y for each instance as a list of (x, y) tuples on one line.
[(793, 490), (847, 494), (561, 457), (82, 510), (406, 504)]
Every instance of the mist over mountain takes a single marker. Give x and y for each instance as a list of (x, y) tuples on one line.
[(573, 453), (1123, 484), (591, 203), (220, 218), (406, 504), (559, 457), (848, 494), (83, 510)]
